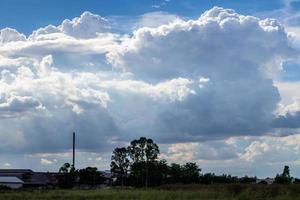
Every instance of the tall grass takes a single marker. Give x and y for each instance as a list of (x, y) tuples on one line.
[(171, 192)]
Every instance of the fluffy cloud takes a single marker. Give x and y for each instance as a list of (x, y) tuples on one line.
[(46, 105), (9, 35), (85, 26), (88, 25), (155, 19), (193, 47), (240, 155), (44, 161), (77, 44), (176, 82), (288, 112), (209, 151), (18, 104), (272, 150), (254, 149), (238, 54)]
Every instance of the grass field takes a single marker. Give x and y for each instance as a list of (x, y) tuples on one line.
[(201, 192)]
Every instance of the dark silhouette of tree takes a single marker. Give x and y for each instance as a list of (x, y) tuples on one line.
[(160, 174), (120, 163), (142, 152), (66, 176), (66, 168), (286, 172), (176, 173), (187, 173), (143, 149), (208, 178), (247, 179), (211, 178), (285, 177), (157, 173), (138, 164), (90, 176), (191, 173), (138, 173)]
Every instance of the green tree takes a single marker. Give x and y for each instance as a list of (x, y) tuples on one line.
[(120, 163), (142, 151)]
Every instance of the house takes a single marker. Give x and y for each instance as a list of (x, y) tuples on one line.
[(40, 179), (11, 182), (265, 181), (31, 178), (15, 172)]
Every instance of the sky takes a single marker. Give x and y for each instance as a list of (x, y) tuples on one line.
[(212, 82)]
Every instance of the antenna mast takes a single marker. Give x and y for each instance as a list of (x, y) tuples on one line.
[(74, 150)]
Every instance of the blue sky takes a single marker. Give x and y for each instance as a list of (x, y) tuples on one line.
[(214, 82), (27, 15)]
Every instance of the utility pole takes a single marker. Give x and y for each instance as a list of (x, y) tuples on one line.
[(74, 150)]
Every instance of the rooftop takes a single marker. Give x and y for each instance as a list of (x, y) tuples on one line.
[(10, 179), (15, 171)]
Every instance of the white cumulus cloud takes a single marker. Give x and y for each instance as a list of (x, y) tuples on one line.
[(178, 81)]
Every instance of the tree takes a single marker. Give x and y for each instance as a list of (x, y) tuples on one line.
[(66, 176), (90, 176), (247, 179), (285, 177), (191, 173), (66, 168), (120, 163), (175, 172), (142, 151), (286, 172)]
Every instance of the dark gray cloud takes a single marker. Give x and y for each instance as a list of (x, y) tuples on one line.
[(53, 133), (290, 120), (221, 110)]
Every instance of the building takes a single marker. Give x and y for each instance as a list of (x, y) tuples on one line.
[(265, 181), (31, 178), (15, 172), (11, 182)]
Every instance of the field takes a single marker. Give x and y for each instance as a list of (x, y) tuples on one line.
[(205, 192)]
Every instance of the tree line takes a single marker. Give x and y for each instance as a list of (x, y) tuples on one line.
[(138, 165), (69, 177)]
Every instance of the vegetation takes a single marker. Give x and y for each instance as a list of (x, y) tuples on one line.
[(90, 176), (285, 177), (120, 163), (168, 192), (69, 177), (137, 165)]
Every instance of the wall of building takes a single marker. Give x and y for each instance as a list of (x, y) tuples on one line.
[(12, 185)]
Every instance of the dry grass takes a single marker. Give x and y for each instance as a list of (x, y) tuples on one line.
[(178, 192)]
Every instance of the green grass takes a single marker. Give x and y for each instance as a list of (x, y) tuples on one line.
[(201, 192)]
